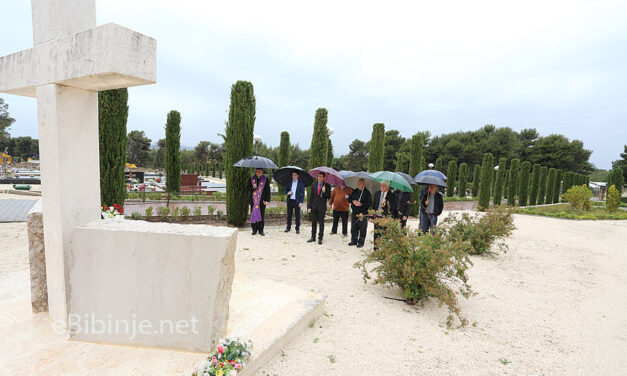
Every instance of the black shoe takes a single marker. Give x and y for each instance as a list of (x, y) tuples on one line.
[(254, 232), (360, 245), (333, 233), (262, 233), (311, 240), (287, 229), (319, 241), (297, 231), (344, 234), (351, 243)]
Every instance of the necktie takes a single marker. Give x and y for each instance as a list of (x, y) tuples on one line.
[(318, 189)]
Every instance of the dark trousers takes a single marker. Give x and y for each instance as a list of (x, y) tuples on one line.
[(317, 220), (258, 226), (358, 229), (336, 218), (427, 221), (403, 222), (292, 205)]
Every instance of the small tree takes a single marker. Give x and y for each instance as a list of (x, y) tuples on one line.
[(578, 196), (558, 186), (284, 152), (451, 173), (112, 117), (498, 184), (438, 165), (535, 183), (377, 144), (612, 200), (318, 149), (486, 181), (476, 180), (462, 181), (416, 164), (512, 190), (173, 152), (616, 179), (523, 183), (550, 186), (544, 172)]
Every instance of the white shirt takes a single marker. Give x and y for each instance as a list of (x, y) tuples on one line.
[(294, 185), (383, 194)]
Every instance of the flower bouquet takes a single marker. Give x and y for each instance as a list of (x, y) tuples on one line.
[(112, 211), (229, 357)]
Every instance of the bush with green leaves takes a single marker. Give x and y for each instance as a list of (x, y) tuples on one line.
[(185, 211), (578, 196), (422, 265), (148, 211), (136, 215), (197, 211), (176, 211), (210, 209), (163, 211), (220, 214), (480, 230), (612, 201)]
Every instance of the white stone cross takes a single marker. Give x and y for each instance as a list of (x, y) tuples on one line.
[(71, 61)]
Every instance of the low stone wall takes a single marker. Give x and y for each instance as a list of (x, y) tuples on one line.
[(37, 259)]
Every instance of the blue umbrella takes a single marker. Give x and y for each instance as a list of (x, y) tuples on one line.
[(429, 179), (434, 173)]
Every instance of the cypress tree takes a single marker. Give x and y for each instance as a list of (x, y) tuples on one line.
[(438, 165), (112, 117), (462, 181), (544, 172), (377, 143), (550, 185), (238, 144), (318, 149), (284, 153), (213, 169), (512, 190), (451, 173), (329, 153), (568, 180), (535, 183), (616, 179), (523, 183), (173, 152), (476, 180), (558, 186), (486, 181), (416, 158), (498, 184), (220, 171)]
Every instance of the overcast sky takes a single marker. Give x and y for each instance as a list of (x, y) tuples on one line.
[(557, 66)]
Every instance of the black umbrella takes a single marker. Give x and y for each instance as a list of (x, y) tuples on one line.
[(409, 179), (255, 162), (428, 179), (283, 175)]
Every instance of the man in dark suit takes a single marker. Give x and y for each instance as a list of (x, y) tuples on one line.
[(259, 187), (295, 193), (360, 203), (403, 206), (317, 206), (384, 204)]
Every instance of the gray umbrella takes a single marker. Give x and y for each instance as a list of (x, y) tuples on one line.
[(371, 185), (409, 179), (428, 179), (255, 162)]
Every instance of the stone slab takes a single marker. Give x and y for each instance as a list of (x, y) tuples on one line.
[(37, 259), (15, 210), (106, 57), (134, 272)]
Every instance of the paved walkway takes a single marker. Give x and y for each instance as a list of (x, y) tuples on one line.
[(15, 210)]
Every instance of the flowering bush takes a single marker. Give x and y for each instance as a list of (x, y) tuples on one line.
[(112, 211), (578, 197), (229, 357), (422, 265)]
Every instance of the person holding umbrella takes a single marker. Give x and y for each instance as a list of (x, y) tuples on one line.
[(259, 198), (295, 193), (360, 203), (432, 204), (317, 207), (384, 204), (340, 204)]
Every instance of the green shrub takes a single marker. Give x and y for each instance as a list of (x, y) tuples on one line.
[(164, 211), (136, 215), (154, 195), (423, 266), (612, 200), (210, 209), (480, 230), (487, 167), (578, 197), (220, 214), (197, 211), (176, 211), (185, 211), (148, 211)]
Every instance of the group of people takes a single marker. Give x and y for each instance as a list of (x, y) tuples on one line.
[(386, 202)]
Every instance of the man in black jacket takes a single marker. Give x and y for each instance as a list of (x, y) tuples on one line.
[(360, 203), (432, 204), (259, 187), (403, 207), (317, 206), (384, 204)]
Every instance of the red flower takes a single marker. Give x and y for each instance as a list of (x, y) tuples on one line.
[(118, 208)]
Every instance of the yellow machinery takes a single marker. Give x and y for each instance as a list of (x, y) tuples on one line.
[(5, 158), (130, 165)]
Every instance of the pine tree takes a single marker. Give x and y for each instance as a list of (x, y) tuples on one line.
[(238, 144), (498, 184), (544, 172), (451, 173), (523, 183), (173, 152), (377, 144), (462, 181), (112, 117), (550, 185), (535, 183), (476, 180), (416, 158), (558, 186), (512, 190), (486, 181)]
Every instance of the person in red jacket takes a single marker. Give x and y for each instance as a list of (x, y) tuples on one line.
[(340, 204)]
